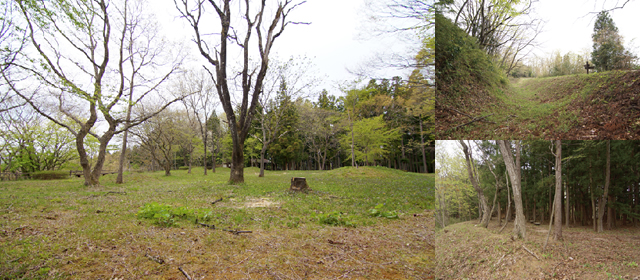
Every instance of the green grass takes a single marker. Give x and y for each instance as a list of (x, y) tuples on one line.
[(49, 228)]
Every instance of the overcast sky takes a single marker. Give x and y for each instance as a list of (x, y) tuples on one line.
[(335, 40), (569, 24)]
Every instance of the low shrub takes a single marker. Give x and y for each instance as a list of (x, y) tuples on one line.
[(378, 212), (50, 175), (166, 215), (335, 218)]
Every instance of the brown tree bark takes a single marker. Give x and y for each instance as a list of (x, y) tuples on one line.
[(603, 199), (513, 168), (484, 221), (557, 224)]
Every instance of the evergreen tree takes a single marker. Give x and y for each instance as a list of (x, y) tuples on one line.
[(608, 52)]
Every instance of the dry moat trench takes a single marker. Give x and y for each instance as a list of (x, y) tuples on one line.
[(594, 106)]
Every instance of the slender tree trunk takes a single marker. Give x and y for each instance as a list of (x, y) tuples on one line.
[(603, 200), (514, 173), (508, 214), (213, 160), (424, 157), (593, 200), (484, 222), (557, 224), (264, 149), (353, 155), (567, 206)]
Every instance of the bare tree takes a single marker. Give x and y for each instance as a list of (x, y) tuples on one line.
[(473, 177), (513, 168), (141, 49), (12, 42), (200, 104), (75, 66), (229, 31), (504, 29)]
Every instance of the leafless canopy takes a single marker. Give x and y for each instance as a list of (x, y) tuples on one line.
[(238, 31)]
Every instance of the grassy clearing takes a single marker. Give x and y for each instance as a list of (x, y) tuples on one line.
[(467, 251), (594, 106), (61, 229)]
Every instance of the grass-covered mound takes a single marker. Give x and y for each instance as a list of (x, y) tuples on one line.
[(366, 171), (467, 79), (152, 225)]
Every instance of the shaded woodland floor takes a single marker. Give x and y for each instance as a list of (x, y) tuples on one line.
[(582, 107), (467, 251), (63, 230)]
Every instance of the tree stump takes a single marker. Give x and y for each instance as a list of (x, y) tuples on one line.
[(299, 184)]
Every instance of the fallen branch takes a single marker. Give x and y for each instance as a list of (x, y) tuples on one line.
[(155, 259), (209, 226), (474, 120), (184, 272), (334, 242), (217, 200), (236, 232), (530, 252), (115, 193)]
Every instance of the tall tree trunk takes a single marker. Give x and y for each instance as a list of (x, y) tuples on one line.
[(353, 155), (262, 152), (514, 173), (237, 162), (603, 200), (557, 223), (213, 160), (484, 222), (567, 205), (593, 200), (507, 215), (424, 157)]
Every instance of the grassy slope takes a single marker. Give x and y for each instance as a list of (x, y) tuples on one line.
[(61, 229), (467, 251), (594, 106)]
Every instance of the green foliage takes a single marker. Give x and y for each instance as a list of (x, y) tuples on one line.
[(460, 62), (335, 218), (166, 215), (371, 139), (378, 212), (50, 175), (608, 52)]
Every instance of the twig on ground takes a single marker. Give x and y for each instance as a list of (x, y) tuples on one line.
[(155, 259), (184, 272), (530, 252), (334, 242), (209, 226), (236, 232), (498, 263), (115, 193)]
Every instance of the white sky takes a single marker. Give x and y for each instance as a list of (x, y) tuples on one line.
[(333, 40), (569, 24)]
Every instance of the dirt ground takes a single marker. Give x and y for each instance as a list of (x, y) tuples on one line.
[(399, 249), (465, 251)]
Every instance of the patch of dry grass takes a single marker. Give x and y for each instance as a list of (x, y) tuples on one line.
[(467, 251)]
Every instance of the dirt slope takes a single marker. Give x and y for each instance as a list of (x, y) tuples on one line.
[(465, 251), (595, 106)]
